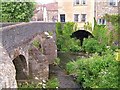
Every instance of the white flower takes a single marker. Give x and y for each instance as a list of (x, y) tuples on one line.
[(36, 78), (56, 87), (43, 81)]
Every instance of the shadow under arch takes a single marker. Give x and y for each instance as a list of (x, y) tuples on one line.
[(81, 34), (21, 67)]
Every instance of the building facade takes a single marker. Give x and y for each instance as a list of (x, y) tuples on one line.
[(46, 13), (105, 7), (78, 11)]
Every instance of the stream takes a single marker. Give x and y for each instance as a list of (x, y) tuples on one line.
[(58, 71)]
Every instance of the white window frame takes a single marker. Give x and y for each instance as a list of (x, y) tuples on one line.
[(84, 18), (113, 2), (100, 21), (80, 2), (83, 2), (76, 3)]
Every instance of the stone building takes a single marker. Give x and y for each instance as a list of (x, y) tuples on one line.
[(105, 7), (46, 13), (79, 11), (52, 12)]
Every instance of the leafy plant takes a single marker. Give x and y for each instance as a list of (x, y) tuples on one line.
[(52, 83), (64, 40), (96, 71), (113, 20), (91, 45), (57, 61), (36, 43), (17, 11), (100, 34), (88, 26), (29, 86)]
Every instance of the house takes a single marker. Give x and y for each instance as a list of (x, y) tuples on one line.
[(46, 13), (105, 7), (78, 11), (52, 12), (38, 13)]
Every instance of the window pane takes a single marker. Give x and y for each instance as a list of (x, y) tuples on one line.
[(62, 17), (76, 17), (83, 17), (83, 2), (76, 2)]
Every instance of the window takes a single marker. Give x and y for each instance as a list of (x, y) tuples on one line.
[(62, 17), (113, 2), (79, 2), (83, 2), (83, 17), (76, 17), (76, 2), (102, 21)]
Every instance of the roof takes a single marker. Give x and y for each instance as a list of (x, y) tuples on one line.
[(52, 6)]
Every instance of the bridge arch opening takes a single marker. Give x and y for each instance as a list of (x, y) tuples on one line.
[(21, 67), (81, 34)]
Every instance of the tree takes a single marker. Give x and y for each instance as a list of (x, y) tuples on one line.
[(17, 11)]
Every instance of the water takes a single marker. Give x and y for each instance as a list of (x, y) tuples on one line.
[(58, 71)]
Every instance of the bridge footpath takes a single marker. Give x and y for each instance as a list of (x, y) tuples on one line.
[(15, 35)]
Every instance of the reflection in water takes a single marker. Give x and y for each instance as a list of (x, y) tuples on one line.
[(65, 57)]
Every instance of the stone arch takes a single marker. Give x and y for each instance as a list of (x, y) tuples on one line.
[(81, 34), (21, 67)]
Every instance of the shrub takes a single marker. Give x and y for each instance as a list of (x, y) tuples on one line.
[(64, 41), (91, 45), (17, 11), (96, 71)]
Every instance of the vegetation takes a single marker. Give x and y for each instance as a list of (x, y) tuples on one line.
[(57, 61), (36, 43), (64, 40), (17, 11), (96, 71), (88, 26), (51, 83), (114, 34), (101, 70), (92, 45)]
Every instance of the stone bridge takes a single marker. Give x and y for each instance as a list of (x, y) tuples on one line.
[(27, 49)]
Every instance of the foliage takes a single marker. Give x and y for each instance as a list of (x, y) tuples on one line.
[(52, 83), (57, 61), (28, 86), (92, 45), (36, 43), (100, 34), (114, 34), (88, 26), (96, 71), (64, 40), (17, 11)]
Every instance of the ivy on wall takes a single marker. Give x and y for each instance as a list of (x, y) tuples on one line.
[(16, 11)]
